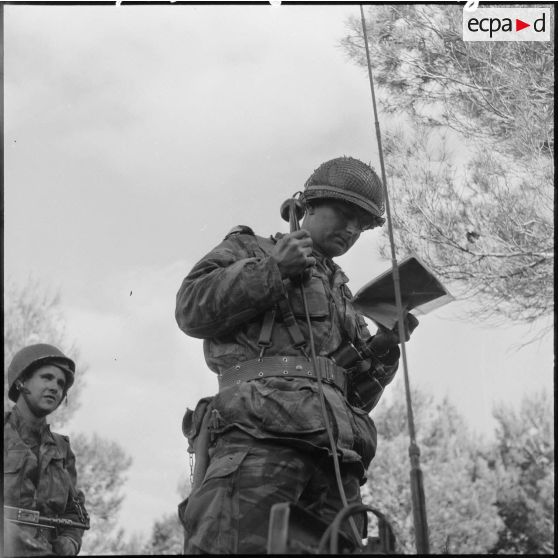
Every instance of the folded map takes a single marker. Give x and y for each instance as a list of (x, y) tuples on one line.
[(420, 291)]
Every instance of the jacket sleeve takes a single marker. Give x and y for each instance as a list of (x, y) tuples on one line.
[(367, 383), (386, 367), (75, 506), (225, 289)]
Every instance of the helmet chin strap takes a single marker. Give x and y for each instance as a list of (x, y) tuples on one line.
[(21, 388)]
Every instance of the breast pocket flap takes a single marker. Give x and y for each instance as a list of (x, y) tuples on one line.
[(13, 461), (316, 298), (225, 465)]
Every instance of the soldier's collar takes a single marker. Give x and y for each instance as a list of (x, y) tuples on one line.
[(325, 261), (20, 422)]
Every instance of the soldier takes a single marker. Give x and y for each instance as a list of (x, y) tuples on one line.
[(268, 439), (39, 465)]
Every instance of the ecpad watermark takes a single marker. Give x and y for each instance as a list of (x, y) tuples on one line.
[(507, 24)]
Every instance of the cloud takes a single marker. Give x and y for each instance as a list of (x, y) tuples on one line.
[(143, 373), (128, 324)]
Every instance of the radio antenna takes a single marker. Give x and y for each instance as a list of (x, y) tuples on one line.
[(417, 485)]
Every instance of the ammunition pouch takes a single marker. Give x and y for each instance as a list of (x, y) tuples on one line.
[(195, 427), (364, 389), (346, 356), (192, 420)]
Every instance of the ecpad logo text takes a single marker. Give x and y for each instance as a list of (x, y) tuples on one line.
[(507, 24)]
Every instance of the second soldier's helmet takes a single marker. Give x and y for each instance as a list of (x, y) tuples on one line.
[(349, 180), (33, 356)]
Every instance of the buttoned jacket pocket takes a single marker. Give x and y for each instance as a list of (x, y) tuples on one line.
[(224, 465), (316, 297), (289, 407)]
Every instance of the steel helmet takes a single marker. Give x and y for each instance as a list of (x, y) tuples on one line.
[(33, 356), (350, 180)]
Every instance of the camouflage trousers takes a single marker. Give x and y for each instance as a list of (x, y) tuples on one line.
[(229, 512)]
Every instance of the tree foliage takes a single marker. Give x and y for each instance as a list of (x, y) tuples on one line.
[(488, 233), (32, 314), (167, 535), (524, 462), (481, 497), (480, 216), (459, 486), (496, 92), (101, 466)]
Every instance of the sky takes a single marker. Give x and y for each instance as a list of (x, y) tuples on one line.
[(135, 138)]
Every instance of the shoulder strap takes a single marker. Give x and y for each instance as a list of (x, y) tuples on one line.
[(289, 320), (61, 441), (291, 324), (284, 307), (255, 246), (248, 241), (264, 340)]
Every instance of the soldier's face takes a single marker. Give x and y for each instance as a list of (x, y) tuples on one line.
[(45, 389), (334, 227)]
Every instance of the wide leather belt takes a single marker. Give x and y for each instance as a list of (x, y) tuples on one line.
[(286, 367)]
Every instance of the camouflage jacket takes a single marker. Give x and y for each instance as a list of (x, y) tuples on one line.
[(223, 300), (47, 485)]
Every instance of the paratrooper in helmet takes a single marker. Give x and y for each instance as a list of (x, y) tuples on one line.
[(39, 465), (261, 440)]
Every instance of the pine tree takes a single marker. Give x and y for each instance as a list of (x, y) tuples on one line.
[(469, 143), (523, 459), (460, 488)]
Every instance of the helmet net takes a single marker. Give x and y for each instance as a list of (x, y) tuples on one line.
[(350, 180)]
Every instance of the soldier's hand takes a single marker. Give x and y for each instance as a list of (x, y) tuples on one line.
[(293, 253), (65, 546), (385, 339)]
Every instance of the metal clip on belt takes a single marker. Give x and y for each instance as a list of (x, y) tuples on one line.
[(283, 366)]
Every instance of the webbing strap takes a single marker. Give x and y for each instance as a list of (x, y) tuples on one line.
[(264, 340), (284, 307), (291, 324)]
